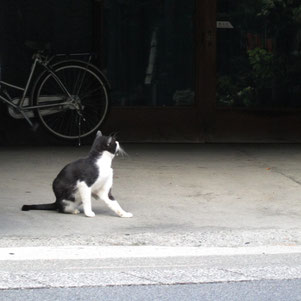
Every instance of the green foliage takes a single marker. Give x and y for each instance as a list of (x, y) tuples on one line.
[(270, 73), (262, 63), (297, 14), (247, 96), (284, 7), (233, 93), (225, 90), (283, 21)]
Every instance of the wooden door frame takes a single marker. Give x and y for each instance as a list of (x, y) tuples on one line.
[(206, 63)]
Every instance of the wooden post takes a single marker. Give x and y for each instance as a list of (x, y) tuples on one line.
[(206, 64)]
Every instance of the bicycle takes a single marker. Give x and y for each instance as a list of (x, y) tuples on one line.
[(70, 96)]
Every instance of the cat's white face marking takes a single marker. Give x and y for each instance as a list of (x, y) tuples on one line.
[(119, 150)]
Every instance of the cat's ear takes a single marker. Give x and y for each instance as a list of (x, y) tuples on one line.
[(98, 134)]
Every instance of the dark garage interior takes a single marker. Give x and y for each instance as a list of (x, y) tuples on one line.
[(180, 71)]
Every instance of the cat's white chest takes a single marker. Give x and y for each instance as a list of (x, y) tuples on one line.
[(104, 177), (105, 171)]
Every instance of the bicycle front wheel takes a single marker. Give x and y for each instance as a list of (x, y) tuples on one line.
[(72, 101)]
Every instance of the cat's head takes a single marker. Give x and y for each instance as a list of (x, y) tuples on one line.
[(105, 143)]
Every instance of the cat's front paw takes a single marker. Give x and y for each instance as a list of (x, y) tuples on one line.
[(90, 214), (126, 214)]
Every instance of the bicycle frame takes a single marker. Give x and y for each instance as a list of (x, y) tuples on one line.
[(20, 105)]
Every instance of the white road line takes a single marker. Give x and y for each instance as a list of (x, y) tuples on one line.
[(103, 252)]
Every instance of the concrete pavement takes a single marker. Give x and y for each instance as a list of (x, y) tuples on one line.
[(180, 195), (154, 268)]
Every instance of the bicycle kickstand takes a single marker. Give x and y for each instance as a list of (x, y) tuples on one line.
[(79, 128), (26, 118)]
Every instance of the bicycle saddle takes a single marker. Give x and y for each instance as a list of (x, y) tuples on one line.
[(37, 45)]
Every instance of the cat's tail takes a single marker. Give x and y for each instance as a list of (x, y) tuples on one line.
[(52, 206)]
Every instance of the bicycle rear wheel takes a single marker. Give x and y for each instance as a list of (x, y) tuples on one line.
[(76, 100)]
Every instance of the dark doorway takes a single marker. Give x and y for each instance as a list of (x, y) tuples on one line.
[(149, 51)]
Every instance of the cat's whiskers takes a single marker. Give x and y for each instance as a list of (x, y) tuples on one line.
[(121, 151)]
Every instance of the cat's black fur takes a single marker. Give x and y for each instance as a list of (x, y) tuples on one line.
[(83, 170)]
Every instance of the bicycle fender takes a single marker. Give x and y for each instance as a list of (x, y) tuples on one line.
[(85, 64)]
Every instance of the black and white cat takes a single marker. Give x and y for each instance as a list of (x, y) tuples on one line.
[(80, 180)]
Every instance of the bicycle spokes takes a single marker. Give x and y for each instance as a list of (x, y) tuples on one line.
[(78, 112)]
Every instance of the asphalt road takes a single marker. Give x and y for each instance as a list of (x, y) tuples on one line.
[(264, 290)]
